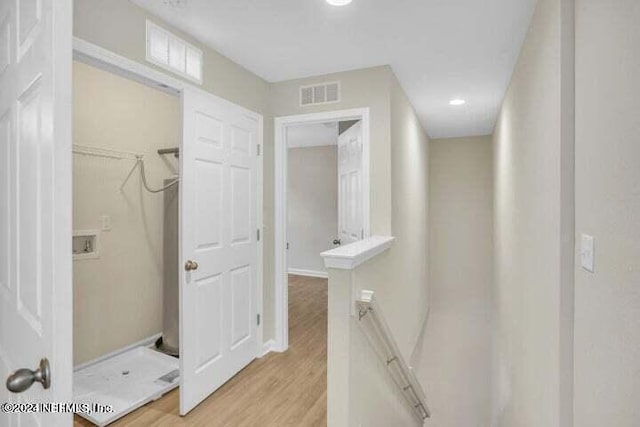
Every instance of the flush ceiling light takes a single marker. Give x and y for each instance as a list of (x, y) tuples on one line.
[(338, 2), (457, 102)]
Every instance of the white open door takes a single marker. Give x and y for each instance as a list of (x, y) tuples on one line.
[(218, 252), (35, 208), (350, 188)]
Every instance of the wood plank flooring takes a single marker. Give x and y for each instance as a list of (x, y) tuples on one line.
[(281, 389)]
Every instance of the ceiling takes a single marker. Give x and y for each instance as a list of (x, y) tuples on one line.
[(439, 49), (312, 135)]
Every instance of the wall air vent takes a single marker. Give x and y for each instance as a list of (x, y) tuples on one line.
[(322, 93), (172, 53)]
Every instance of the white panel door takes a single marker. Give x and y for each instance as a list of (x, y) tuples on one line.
[(350, 190), (35, 206), (218, 310)]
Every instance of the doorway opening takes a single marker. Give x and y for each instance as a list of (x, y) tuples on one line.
[(126, 176), (167, 243), (321, 197)]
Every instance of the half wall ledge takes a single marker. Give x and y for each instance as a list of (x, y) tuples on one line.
[(350, 256)]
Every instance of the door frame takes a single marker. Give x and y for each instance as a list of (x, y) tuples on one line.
[(89, 53), (281, 295)]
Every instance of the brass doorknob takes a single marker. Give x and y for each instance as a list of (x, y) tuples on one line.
[(191, 265)]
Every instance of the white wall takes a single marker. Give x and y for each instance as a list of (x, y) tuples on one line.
[(607, 302), (312, 198), (118, 297), (456, 356), (533, 211)]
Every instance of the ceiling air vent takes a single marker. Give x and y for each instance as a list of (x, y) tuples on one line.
[(323, 93)]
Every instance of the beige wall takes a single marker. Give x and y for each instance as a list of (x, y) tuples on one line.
[(534, 229), (375, 88), (312, 199), (399, 187), (607, 302), (357, 92), (94, 21), (359, 390), (401, 283), (118, 297), (407, 299), (119, 26), (456, 358)]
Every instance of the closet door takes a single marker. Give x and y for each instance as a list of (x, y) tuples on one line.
[(218, 313), (35, 209)]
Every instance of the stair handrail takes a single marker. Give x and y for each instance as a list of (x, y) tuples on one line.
[(371, 318)]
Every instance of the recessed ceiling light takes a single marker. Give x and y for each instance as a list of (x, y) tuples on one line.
[(457, 102), (338, 2)]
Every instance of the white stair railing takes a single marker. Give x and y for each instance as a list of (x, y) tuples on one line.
[(371, 319)]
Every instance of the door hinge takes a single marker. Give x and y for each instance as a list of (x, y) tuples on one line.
[(258, 234), (258, 148), (258, 319), (287, 245)]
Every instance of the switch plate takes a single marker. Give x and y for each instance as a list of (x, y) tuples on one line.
[(587, 252)]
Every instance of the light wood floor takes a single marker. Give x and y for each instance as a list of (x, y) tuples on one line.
[(281, 389)]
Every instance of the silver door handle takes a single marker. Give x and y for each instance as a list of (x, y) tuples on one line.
[(22, 379), (337, 242)]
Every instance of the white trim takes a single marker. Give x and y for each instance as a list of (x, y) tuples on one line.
[(267, 348), (62, 278), (308, 273), (100, 57), (92, 54), (280, 205), (260, 223), (350, 256), (146, 342)]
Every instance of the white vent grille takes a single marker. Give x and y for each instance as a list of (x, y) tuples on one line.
[(323, 93), (172, 53)]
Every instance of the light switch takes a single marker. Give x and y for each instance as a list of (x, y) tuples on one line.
[(106, 223), (587, 253)]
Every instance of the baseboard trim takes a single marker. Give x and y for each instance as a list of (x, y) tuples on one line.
[(267, 347), (147, 342), (308, 273)]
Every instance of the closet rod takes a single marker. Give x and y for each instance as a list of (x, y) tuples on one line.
[(175, 151)]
